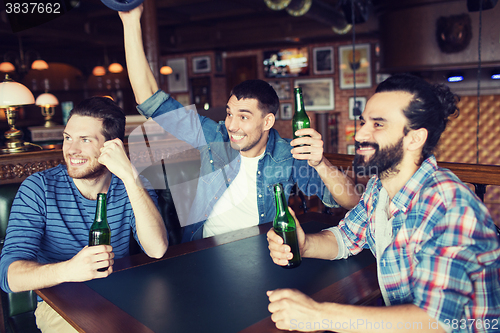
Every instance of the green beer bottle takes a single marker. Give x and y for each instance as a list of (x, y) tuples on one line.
[(284, 226), (300, 119), (100, 233)]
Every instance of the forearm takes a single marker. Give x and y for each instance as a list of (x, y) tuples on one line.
[(26, 275), (140, 75), (322, 245), (149, 223), (341, 186), (400, 318)]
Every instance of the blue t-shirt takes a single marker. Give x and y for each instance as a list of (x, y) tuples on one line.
[(50, 220)]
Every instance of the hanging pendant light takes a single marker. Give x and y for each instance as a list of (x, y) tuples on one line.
[(166, 70), (99, 71), (39, 65), (115, 68), (7, 67)]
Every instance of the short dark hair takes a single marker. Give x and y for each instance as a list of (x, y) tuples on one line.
[(430, 107), (104, 108), (260, 90)]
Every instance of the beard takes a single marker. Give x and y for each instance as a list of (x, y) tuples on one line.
[(249, 146), (383, 163), (93, 171)]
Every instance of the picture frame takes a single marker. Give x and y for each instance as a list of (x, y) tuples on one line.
[(286, 111), (356, 107), (351, 150), (282, 88), (318, 94), (177, 81), (323, 60), (201, 64), (361, 63), (183, 99)]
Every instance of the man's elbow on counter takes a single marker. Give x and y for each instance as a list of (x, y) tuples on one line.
[(159, 251)]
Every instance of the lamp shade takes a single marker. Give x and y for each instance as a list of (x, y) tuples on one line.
[(166, 70), (14, 94), (39, 65), (7, 67), (115, 68), (99, 71), (46, 100)]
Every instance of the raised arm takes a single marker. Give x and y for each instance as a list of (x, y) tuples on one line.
[(141, 77), (340, 185)]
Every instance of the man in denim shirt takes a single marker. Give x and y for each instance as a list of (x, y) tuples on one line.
[(242, 157)]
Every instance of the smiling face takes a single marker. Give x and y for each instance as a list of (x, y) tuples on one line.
[(247, 127), (380, 140), (81, 147)]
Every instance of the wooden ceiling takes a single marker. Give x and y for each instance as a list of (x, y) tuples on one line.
[(83, 36)]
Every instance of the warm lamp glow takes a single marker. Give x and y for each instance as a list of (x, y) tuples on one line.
[(7, 67), (115, 68), (46, 100), (39, 65), (14, 94), (99, 71), (166, 70)]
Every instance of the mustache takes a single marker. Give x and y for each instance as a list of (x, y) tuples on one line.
[(365, 144)]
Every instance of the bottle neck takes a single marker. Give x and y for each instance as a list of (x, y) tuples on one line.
[(100, 212), (299, 103), (279, 196)]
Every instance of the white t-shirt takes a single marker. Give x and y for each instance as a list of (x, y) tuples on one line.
[(237, 208), (383, 233)]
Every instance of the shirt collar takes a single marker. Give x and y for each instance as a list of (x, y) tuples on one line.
[(403, 198)]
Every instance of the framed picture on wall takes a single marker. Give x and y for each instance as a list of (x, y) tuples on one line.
[(356, 107), (177, 81), (358, 61), (201, 64), (183, 99), (323, 60), (317, 93), (282, 88), (286, 111)]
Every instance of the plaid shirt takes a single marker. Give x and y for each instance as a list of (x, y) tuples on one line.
[(445, 254)]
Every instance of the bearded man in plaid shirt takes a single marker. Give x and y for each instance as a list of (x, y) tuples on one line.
[(437, 249)]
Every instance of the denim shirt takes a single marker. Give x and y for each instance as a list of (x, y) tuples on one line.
[(220, 163)]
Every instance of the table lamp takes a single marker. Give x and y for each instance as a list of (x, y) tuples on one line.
[(47, 102), (12, 95)]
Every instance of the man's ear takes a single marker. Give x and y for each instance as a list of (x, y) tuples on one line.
[(417, 139), (269, 120)]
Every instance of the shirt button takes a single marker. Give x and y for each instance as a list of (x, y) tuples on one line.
[(229, 179), (262, 215), (258, 172), (212, 161), (215, 198), (260, 195)]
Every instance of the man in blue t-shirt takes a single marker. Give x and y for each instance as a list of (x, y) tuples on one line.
[(47, 234)]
